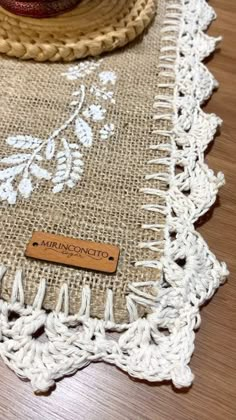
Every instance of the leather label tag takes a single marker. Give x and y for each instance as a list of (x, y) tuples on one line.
[(74, 252)]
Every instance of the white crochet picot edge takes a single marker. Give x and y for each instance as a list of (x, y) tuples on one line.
[(159, 346)]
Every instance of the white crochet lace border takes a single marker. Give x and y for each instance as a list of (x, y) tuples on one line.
[(158, 347)]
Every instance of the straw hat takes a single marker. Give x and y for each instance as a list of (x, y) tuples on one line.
[(92, 27)]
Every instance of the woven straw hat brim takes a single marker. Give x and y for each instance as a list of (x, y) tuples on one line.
[(93, 27)]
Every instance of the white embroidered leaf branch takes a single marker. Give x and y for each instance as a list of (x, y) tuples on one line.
[(50, 149), (69, 166), (10, 173), (23, 142), (30, 168), (39, 172), (56, 158), (13, 159), (84, 132)]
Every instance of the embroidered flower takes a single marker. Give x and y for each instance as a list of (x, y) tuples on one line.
[(81, 70), (103, 94), (107, 131), (107, 77), (96, 112)]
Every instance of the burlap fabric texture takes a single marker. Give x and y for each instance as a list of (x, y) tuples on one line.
[(105, 204)]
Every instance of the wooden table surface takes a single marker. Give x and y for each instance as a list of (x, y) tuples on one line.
[(102, 392)]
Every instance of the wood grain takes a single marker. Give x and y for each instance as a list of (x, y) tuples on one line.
[(102, 392)]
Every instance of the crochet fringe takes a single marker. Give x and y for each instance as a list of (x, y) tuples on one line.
[(158, 347)]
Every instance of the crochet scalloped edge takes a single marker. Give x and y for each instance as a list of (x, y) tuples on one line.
[(158, 347)]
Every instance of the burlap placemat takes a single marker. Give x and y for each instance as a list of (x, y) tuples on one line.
[(105, 203), (108, 150)]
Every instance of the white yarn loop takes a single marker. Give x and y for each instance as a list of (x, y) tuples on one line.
[(108, 314), (85, 305), (63, 300), (39, 298), (17, 289)]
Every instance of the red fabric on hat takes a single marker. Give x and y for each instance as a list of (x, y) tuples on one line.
[(38, 8)]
